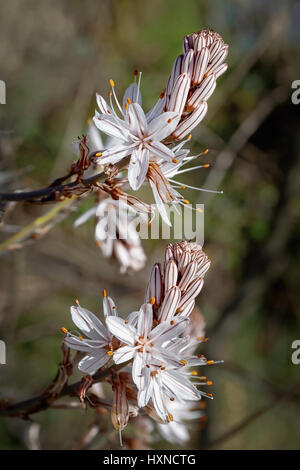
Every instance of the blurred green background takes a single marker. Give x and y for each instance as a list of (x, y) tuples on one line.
[(54, 56)]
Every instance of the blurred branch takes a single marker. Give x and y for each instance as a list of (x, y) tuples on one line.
[(253, 416), (41, 224), (44, 401)]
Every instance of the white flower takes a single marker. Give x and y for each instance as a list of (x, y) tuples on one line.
[(144, 344), (160, 177), (135, 134), (176, 431), (116, 234), (98, 345)]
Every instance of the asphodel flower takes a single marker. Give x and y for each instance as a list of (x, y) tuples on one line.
[(134, 134)]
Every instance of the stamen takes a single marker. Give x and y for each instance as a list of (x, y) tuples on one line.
[(209, 382), (170, 120), (206, 165), (112, 83), (64, 330), (189, 137), (174, 160), (152, 300), (194, 373), (186, 201), (205, 152), (126, 322), (172, 399), (200, 338), (209, 363), (183, 362), (77, 301), (171, 417), (104, 293), (129, 101), (109, 353), (81, 338), (99, 154)]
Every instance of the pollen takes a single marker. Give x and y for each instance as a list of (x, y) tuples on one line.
[(189, 137), (109, 353), (205, 340), (154, 372), (182, 186), (90, 121), (129, 101), (174, 160), (200, 210), (186, 201), (209, 382), (99, 154), (109, 94), (172, 322), (209, 363), (194, 373), (162, 94), (207, 165), (200, 338), (170, 120), (135, 72), (126, 322), (205, 152), (203, 377), (77, 301), (112, 83), (81, 338), (210, 395), (104, 293), (171, 417), (183, 362), (152, 300), (126, 106), (172, 399), (64, 330)]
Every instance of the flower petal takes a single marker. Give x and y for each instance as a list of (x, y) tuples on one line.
[(124, 354), (138, 167), (88, 323), (163, 125), (91, 363), (124, 332)]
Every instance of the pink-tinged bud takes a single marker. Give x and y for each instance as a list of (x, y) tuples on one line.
[(188, 276), (188, 63), (191, 293), (201, 62), (203, 92), (120, 407), (214, 49), (155, 286), (176, 71), (179, 94), (170, 304), (218, 71), (218, 59), (190, 122), (171, 275)]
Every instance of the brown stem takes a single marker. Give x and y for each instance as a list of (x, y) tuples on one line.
[(42, 402)]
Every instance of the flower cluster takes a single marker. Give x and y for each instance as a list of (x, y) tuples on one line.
[(156, 344)]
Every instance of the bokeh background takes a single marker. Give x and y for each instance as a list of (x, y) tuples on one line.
[(54, 56)]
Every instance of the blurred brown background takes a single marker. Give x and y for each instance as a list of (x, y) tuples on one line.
[(54, 55)]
